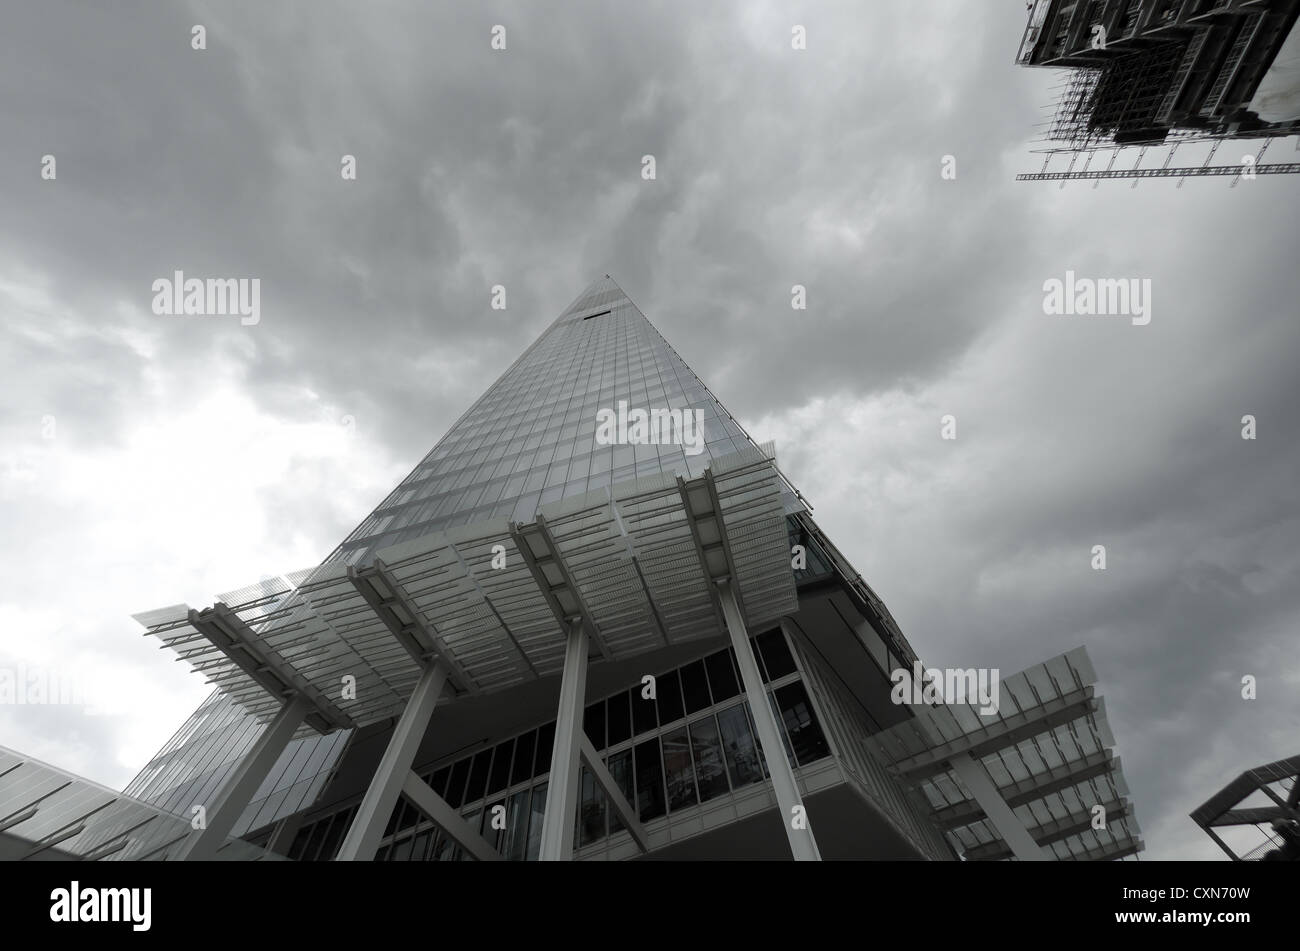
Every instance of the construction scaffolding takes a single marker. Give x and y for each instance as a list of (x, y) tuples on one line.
[(1161, 80), (1280, 169), (1247, 168), (1117, 101)]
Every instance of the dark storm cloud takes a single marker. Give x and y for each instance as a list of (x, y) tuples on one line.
[(775, 168), (474, 172), (1074, 433)]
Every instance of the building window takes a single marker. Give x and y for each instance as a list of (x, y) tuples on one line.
[(689, 753), (722, 676), (620, 767), (545, 747), (523, 770), (695, 687), (537, 812), (801, 724), (456, 788), (739, 747), (591, 810), (593, 724), (776, 654), (517, 826), (478, 776), (501, 767), (679, 770), (668, 687), (643, 713), (710, 768), (619, 718), (649, 780)]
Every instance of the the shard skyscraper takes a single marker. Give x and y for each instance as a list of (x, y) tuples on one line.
[(603, 472)]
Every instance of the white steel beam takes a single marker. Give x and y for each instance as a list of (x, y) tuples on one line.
[(562, 794), (977, 781), (798, 829), (605, 779), (367, 829)]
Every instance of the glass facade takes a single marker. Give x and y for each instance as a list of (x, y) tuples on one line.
[(529, 440), (196, 760), (671, 763)]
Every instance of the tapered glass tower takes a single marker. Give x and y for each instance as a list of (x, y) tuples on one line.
[(530, 439), (741, 671)]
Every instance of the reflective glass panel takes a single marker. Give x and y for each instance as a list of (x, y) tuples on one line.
[(679, 772), (669, 688), (710, 768), (649, 780), (801, 723), (739, 747), (619, 719), (695, 687)]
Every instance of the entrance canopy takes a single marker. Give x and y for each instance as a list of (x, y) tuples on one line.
[(493, 600)]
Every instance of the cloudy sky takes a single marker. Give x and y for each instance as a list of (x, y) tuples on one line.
[(147, 460)]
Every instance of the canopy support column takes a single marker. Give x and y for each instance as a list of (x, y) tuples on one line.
[(367, 829), (803, 846), (562, 795), (239, 787)]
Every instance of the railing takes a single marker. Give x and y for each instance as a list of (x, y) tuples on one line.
[(1270, 843), (895, 639)]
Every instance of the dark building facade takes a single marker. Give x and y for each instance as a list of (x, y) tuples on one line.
[(1142, 71)]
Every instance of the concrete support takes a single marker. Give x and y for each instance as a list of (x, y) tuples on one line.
[(803, 846), (367, 829), (237, 791), (562, 794), (976, 779)]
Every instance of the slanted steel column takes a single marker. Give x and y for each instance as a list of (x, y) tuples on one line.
[(239, 787), (562, 794), (802, 844), (605, 780), (975, 778), (448, 819), (367, 829)]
